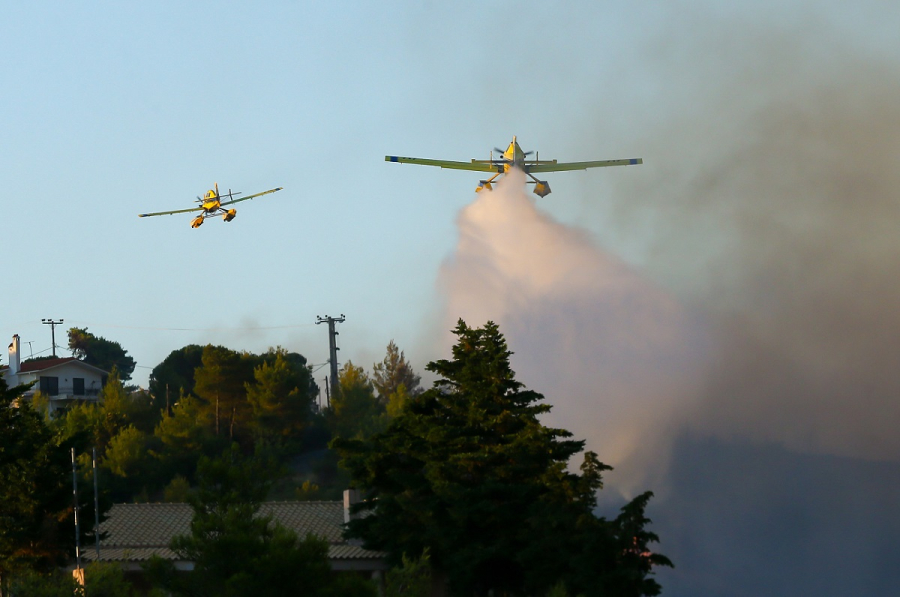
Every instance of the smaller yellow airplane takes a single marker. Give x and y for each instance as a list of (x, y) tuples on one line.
[(514, 157), (211, 205)]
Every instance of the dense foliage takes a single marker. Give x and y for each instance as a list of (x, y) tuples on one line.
[(468, 472), (36, 510), (236, 552), (100, 352), (465, 486), (100, 580)]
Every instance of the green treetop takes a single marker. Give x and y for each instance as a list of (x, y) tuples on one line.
[(239, 553), (468, 472), (355, 411), (281, 397), (392, 372), (35, 488), (100, 352)]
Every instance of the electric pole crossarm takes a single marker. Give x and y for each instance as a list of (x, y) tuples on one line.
[(52, 325)]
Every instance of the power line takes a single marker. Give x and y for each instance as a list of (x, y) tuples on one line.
[(170, 329)]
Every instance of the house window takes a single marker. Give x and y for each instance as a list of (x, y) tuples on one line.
[(50, 386), (78, 386)]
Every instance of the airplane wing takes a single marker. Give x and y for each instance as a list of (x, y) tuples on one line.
[(477, 166), (251, 196), (166, 213), (554, 167)]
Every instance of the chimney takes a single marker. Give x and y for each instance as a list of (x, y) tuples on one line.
[(351, 496), (14, 362), (12, 376)]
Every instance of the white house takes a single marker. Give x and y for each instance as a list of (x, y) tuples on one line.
[(64, 380)]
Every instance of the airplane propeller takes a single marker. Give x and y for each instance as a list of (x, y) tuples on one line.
[(501, 151)]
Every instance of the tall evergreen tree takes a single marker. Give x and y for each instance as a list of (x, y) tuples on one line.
[(468, 472), (174, 377), (221, 382), (355, 411), (36, 528), (100, 352), (280, 398), (392, 372), (183, 437)]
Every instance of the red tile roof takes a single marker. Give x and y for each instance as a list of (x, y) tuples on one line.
[(42, 364)]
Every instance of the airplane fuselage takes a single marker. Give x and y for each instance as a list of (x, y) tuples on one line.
[(513, 157)]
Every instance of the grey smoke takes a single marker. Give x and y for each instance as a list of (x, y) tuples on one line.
[(745, 364)]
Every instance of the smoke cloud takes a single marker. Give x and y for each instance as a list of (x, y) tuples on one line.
[(613, 352), (745, 367)]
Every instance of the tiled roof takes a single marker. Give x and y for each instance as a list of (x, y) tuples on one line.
[(142, 554), (135, 532), (145, 525), (323, 519), (126, 554), (44, 364)]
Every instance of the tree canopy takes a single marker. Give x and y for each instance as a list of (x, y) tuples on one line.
[(355, 411), (236, 552), (100, 352), (468, 472), (174, 377), (392, 372), (280, 397), (35, 488)]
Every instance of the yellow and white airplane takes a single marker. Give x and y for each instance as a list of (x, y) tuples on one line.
[(211, 205), (514, 157)]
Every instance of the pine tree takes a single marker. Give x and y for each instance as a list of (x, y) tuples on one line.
[(468, 472), (392, 372), (35, 488)]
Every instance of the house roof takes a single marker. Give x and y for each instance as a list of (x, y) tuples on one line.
[(44, 364), (135, 532)]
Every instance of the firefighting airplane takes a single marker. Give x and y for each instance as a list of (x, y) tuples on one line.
[(514, 157), (211, 205)]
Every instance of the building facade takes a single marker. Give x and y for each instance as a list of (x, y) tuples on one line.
[(63, 381)]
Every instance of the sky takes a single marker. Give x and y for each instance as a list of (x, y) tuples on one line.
[(719, 323)]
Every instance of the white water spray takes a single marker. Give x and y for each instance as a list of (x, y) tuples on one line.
[(613, 353)]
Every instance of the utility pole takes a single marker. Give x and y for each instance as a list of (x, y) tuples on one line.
[(52, 325), (75, 500), (332, 346), (96, 505)]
